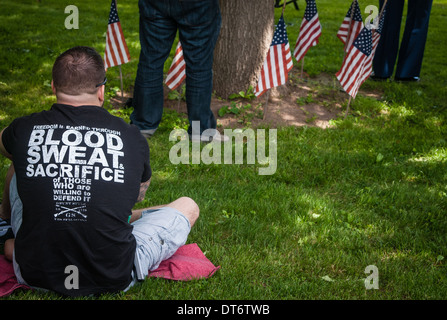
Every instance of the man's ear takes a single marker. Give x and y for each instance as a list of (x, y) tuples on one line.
[(53, 88), (100, 94)]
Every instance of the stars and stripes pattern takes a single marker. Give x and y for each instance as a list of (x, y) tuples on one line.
[(176, 73), (350, 29), (278, 62), (352, 71), (376, 33), (116, 52), (310, 31)]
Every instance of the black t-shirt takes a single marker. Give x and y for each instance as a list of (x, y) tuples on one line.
[(78, 173)]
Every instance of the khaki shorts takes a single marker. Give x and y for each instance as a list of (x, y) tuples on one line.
[(159, 233)]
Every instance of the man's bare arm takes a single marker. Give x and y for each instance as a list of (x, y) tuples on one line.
[(143, 189), (2, 148)]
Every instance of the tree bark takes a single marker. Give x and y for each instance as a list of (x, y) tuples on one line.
[(245, 36)]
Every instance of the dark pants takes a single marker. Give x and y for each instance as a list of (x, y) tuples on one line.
[(412, 46), (198, 22)]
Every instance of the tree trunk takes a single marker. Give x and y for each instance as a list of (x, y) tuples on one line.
[(245, 36)]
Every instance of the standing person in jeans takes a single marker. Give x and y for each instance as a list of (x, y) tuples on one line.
[(411, 51), (198, 23)]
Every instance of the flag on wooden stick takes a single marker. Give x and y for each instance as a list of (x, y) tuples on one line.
[(116, 52), (276, 67), (353, 68), (376, 33), (310, 31), (176, 73), (351, 26)]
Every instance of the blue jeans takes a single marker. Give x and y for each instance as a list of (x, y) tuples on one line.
[(198, 22), (411, 51)]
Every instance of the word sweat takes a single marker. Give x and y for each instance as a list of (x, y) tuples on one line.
[(75, 152)]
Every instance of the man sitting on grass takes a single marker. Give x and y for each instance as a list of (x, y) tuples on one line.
[(77, 173)]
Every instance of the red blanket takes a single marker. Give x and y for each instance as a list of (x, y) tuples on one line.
[(187, 263), (8, 280)]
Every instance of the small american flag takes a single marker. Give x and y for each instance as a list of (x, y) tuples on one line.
[(278, 63), (376, 33), (116, 52), (310, 31), (352, 71), (350, 28), (176, 73)]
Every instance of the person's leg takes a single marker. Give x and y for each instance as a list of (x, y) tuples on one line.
[(160, 232), (9, 249), (157, 33), (413, 41), (199, 26), (386, 52), (185, 205)]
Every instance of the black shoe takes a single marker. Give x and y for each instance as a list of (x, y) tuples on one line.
[(411, 79)]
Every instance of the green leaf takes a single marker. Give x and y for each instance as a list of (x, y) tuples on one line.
[(223, 111), (234, 110), (328, 279), (173, 95)]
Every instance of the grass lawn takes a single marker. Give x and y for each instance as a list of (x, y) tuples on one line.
[(369, 190)]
